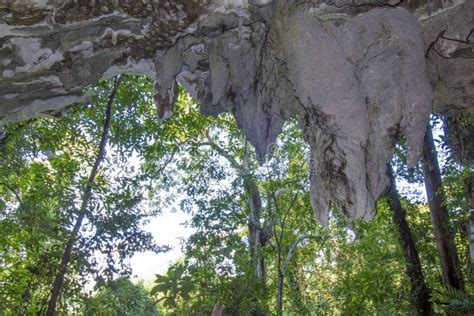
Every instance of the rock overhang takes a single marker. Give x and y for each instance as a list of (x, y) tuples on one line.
[(358, 75)]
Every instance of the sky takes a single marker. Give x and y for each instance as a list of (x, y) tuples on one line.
[(167, 229)]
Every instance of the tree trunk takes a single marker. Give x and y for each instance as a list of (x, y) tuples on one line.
[(447, 252), (420, 293), (297, 295), (470, 226), (470, 250), (258, 234), (280, 287), (58, 281), (256, 231), (218, 310)]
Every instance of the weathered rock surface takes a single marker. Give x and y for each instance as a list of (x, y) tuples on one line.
[(359, 74)]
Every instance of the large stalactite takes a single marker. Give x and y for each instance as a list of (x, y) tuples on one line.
[(358, 74)]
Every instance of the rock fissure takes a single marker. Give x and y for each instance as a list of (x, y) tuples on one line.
[(452, 54), (372, 4)]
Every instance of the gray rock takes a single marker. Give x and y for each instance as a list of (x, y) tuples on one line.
[(358, 74)]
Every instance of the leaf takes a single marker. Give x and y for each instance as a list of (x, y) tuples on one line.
[(158, 289), (169, 302), (185, 296)]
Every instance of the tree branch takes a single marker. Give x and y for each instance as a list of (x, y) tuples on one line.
[(17, 196), (295, 244), (224, 154)]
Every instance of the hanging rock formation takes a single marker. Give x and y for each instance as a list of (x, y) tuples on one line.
[(358, 73)]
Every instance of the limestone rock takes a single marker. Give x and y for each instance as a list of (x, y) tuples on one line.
[(358, 74)]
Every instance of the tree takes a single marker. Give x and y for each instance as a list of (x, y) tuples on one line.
[(420, 292), (86, 197), (448, 254), (47, 164), (120, 297), (228, 198), (257, 248), (219, 213), (217, 260)]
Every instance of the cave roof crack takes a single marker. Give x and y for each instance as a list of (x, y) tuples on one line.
[(378, 4), (441, 35)]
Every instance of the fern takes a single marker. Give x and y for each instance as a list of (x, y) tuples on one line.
[(454, 301)]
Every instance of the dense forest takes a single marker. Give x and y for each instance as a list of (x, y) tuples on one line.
[(75, 194)]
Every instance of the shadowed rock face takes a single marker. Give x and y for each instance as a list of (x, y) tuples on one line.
[(359, 74)]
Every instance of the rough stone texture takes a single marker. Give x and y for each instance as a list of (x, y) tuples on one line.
[(449, 37), (358, 73), (373, 88)]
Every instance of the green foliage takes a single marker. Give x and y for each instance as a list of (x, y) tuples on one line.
[(206, 185), (453, 301), (45, 166), (120, 297), (205, 167), (358, 269), (174, 286), (217, 259)]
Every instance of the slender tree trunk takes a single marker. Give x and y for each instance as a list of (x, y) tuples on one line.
[(297, 297), (258, 234), (58, 282), (255, 227), (420, 293), (470, 250), (282, 266), (448, 255), (470, 226), (280, 284)]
